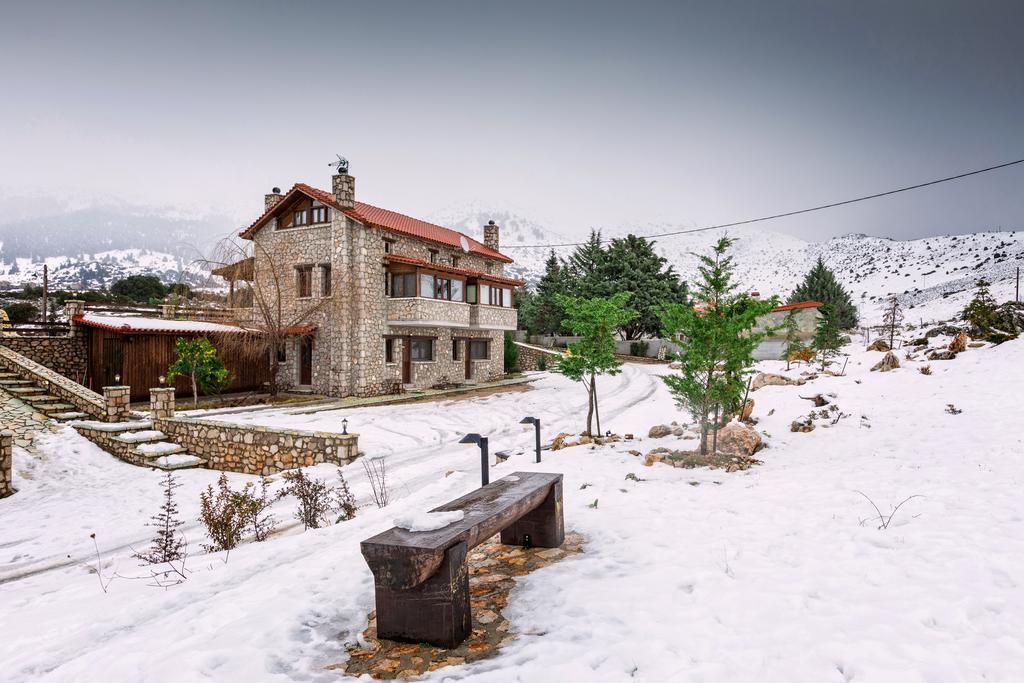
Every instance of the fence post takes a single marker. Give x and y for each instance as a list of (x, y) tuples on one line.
[(117, 399), (161, 402)]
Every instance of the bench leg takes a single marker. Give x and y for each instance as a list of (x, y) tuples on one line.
[(543, 525), (436, 612)]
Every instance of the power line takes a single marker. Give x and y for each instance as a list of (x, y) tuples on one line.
[(788, 213)]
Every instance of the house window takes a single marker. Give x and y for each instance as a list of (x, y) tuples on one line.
[(485, 294), (282, 354), (427, 285), (299, 218), (500, 296), (456, 348), (304, 281), (442, 288), (455, 261), (433, 255), (389, 247), (403, 285), (325, 280), (456, 290), (471, 294), (389, 350), (421, 348), (478, 349), (318, 214)]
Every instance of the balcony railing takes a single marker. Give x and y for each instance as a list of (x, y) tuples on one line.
[(493, 317), (422, 312)]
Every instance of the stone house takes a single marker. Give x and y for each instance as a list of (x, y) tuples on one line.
[(375, 299)]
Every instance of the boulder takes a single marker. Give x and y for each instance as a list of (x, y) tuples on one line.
[(738, 439), (675, 365), (677, 431), (889, 362), (802, 425), (947, 330), (748, 408), (764, 379), (879, 345), (559, 441), (941, 354), (959, 343), (657, 455), (658, 431)]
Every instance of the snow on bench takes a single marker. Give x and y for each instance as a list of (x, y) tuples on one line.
[(421, 577)]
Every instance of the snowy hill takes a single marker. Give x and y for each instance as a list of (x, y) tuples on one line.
[(933, 277), (89, 244)]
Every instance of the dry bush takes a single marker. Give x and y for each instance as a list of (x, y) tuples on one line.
[(220, 514), (376, 472), (317, 500), (925, 369)]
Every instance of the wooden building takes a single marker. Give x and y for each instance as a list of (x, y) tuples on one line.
[(136, 352)]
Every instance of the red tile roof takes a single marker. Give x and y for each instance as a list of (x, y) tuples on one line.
[(382, 218), (140, 325), (408, 260), (801, 304)]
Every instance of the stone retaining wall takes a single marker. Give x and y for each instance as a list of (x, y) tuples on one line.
[(529, 358), (257, 450), (102, 434), (66, 356), (6, 464), (58, 385)]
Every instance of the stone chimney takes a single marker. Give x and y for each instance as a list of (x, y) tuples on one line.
[(272, 199), (343, 187), (491, 240)]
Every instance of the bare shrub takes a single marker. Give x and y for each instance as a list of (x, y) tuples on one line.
[(925, 369), (317, 500), (252, 509), (344, 501), (886, 520), (167, 544), (219, 513), (376, 472)]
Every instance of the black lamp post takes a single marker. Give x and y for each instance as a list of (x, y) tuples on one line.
[(485, 466), (344, 426), (535, 421)]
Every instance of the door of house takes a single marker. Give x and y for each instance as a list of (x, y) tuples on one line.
[(406, 360), (113, 360), (306, 362), (469, 360)]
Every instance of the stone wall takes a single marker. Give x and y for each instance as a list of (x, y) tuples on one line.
[(117, 401), (6, 464), (104, 435), (529, 358), (67, 356), (161, 402), (257, 450), (54, 383)]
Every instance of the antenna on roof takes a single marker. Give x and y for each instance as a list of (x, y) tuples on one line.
[(341, 164)]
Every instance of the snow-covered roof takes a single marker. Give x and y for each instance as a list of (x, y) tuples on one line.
[(137, 325)]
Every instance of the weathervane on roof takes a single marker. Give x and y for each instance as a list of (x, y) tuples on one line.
[(341, 164)]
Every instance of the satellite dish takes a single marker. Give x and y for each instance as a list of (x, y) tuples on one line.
[(464, 243)]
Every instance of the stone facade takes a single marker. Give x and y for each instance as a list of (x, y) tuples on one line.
[(6, 463), (530, 358), (257, 450), (161, 402), (67, 356), (117, 401), (353, 321)]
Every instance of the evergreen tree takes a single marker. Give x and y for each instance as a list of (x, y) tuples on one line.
[(827, 340), (549, 313), (587, 266), (717, 343), (140, 288), (526, 301), (511, 353), (892, 316), (981, 311), (167, 544), (820, 284), (595, 320), (631, 264), (793, 342)]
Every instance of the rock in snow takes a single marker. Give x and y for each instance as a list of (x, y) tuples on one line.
[(889, 362)]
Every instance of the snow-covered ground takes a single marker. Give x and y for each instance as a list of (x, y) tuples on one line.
[(776, 573)]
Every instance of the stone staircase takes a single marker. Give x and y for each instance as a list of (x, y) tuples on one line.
[(37, 396), (138, 443)]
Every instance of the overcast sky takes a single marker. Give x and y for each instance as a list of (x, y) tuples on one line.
[(576, 114)]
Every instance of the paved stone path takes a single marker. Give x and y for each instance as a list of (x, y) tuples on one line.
[(492, 571), (22, 419)]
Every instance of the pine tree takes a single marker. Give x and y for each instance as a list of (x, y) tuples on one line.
[(717, 344), (167, 544), (892, 317), (587, 266), (794, 344), (595, 320), (827, 340), (549, 313), (631, 264), (820, 284), (981, 311)]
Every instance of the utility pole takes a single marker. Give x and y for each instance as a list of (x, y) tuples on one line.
[(1016, 296), (46, 287)]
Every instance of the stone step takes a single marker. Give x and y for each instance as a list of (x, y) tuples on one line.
[(70, 415), (23, 389), (143, 436), (51, 408), (41, 398), (176, 461), (4, 376), (113, 427), (159, 448)]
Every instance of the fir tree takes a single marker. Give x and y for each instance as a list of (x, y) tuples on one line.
[(981, 311), (549, 314), (717, 343), (631, 264), (587, 266), (167, 544), (820, 284), (794, 344), (827, 340), (595, 320), (892, 317)]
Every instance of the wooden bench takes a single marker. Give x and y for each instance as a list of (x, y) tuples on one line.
[(421, 578)]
